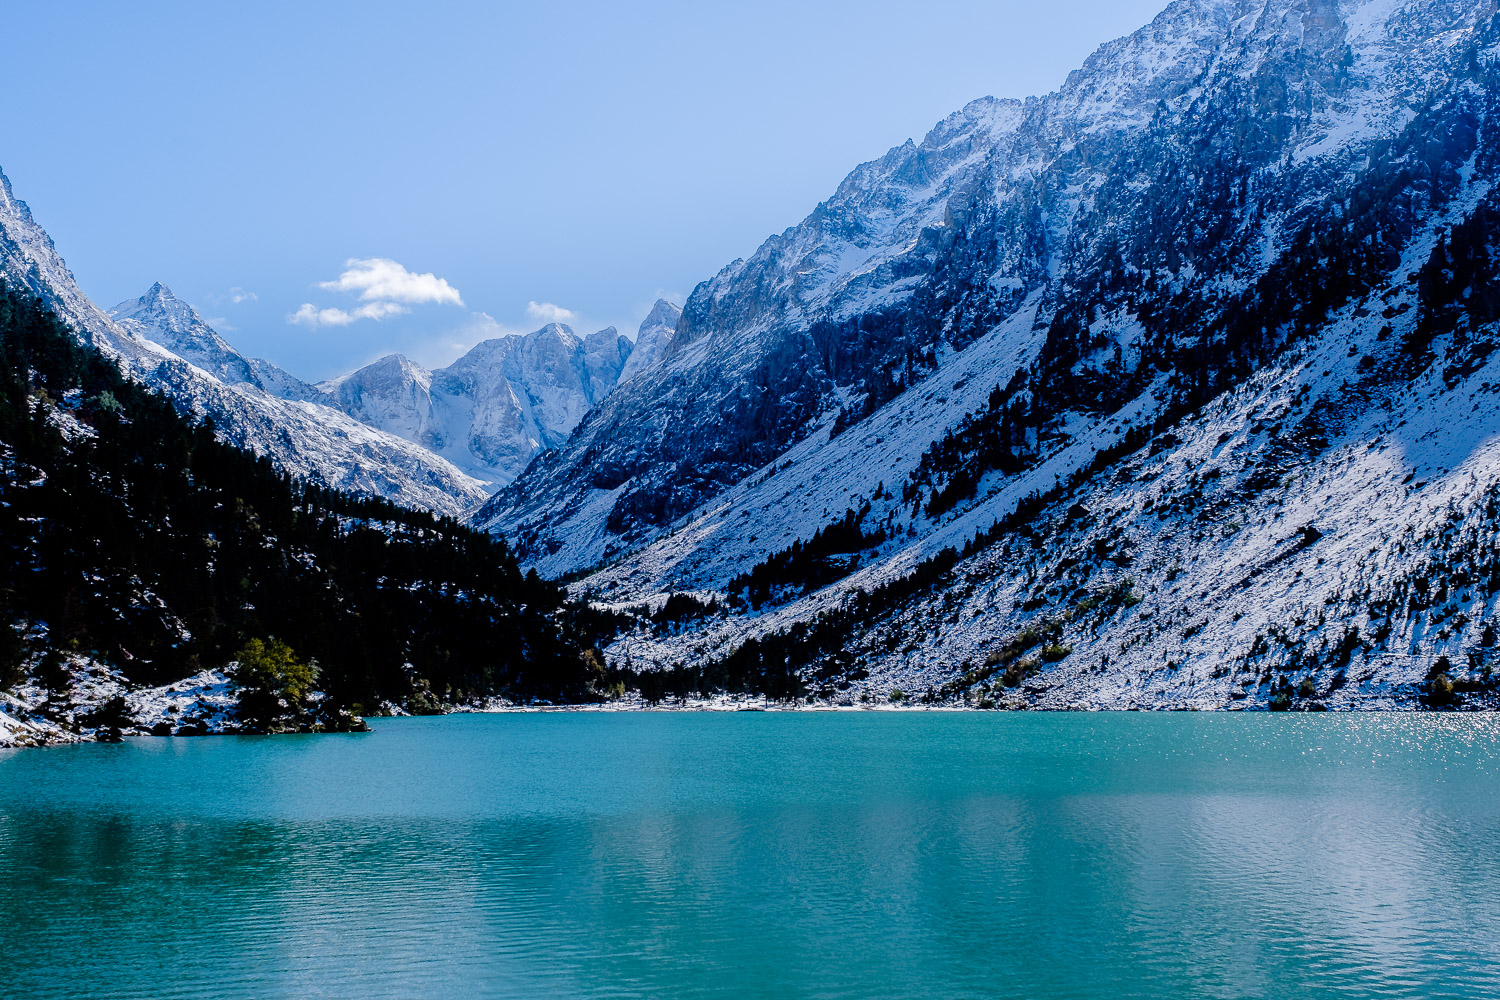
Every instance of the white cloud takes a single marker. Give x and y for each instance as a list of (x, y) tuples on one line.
[(377, 278), (380, 310), (235, 296), (311, 315), (382, 285), (549, 313)]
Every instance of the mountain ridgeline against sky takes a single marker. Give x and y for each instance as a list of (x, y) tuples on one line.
[(439, 440), (489, 413), (266, 413), (1170, 387)]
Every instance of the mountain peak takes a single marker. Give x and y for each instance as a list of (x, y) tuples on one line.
[(162, 318), (391, 371), (162, 297), (653, 338), (385, 365), (163, 308), (664, 313), (9, 202)]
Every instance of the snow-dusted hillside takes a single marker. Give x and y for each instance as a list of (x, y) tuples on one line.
[(1216, 317), (160, 341), (1152, 148), (1326, 532)]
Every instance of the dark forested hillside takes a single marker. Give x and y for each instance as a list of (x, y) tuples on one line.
[(129, 532)]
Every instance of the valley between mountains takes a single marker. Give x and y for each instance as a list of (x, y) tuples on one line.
[(1176, 388)]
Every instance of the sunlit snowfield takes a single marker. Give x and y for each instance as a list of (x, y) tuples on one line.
[(759, 855)]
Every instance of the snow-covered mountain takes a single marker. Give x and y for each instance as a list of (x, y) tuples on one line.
[(1170, 387), (498, 406), (160, 341), (489, 413), (162, 318)]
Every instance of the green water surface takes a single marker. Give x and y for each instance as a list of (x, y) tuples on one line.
[(802, 854)]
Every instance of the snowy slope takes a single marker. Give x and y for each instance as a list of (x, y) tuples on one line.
[(920, 252), (1327, 530), (245, 398)]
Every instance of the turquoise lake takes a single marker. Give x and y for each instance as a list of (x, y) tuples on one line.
[(794, 854)]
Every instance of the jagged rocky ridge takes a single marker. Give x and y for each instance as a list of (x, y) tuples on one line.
[(1171, 388)]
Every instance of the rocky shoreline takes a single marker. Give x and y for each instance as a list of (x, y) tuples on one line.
[(94, 703)]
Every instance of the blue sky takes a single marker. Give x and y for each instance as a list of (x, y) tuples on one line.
[(330, 183)]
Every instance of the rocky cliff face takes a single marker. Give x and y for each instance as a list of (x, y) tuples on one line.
[(160, 341), (1166, 388)]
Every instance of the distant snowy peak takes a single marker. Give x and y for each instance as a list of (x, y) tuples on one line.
[(653, 339), (663, 314), (161, 309), (163, 318), (391, 394), (494, 409), (386, 370), (605, 354)]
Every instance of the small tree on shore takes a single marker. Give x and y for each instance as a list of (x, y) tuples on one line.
[(272, 682)]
